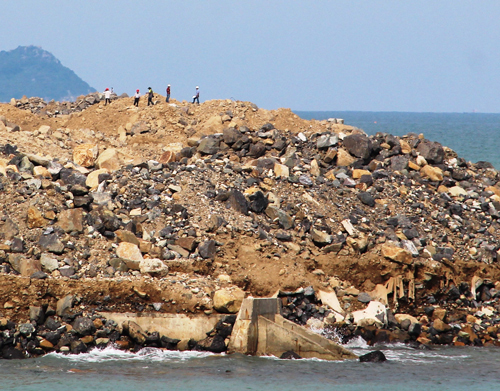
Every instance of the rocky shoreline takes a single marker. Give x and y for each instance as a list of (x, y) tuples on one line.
[(396, 238)]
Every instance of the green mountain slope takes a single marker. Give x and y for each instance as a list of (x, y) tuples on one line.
[(32, 71)]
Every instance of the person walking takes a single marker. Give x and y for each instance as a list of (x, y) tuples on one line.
[(168, 93), (107, 96), (137, 96), (196, 96), (150, 96)]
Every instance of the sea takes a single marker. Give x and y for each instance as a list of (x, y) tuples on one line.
[(474, 136), (438, 369)]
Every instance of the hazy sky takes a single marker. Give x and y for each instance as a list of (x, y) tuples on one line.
[(371, 55)]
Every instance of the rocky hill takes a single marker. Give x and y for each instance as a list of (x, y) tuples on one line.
[(123, 207), (32, 71)]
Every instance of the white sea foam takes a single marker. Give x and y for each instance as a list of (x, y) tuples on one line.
[(146, 354)]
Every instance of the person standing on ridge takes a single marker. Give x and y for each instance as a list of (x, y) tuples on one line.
[(168, 93), (137, 96), (196, 96), (107, 96), (150, 96)]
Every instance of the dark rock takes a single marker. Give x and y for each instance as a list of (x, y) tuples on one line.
[(78, 347), (12, 353), (79, 190), (375, 356), (433, 152), (399, 163), (72, 177), (284, 236), (215, 344), (67, 271), (231, 135), (84, 326), (26, 329), (51, 243), (266, 163), (366, 198), (327, 140), (39, 275), (364, 297), (209, 145), (238, 202), (284, 220), (290, 355), (169, 343), (258, 202), (415, 329), (52, 324), (207, 249), (37, 314), (305, 180), (358, 145), (17, 245), (267, 127), (257, 150)]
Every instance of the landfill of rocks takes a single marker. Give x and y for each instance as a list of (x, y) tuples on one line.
[(54, 108), (401, 221)]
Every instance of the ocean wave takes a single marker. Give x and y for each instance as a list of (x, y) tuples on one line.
[(146, 354)]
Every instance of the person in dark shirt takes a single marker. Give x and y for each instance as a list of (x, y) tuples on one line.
[(150, 96), (168, 93), (196, 97)]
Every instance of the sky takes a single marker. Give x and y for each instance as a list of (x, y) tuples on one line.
[(336, 55)]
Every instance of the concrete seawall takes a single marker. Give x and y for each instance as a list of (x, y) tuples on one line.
[(178, 326)]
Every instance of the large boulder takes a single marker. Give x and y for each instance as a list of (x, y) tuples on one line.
[(84, 326), (134, 331), (397, 254), (130, 254), (375, 356), (433, 152), (358, 145), (208, 145), (153, 266), (228, 301), (85, 154), (215, 344)]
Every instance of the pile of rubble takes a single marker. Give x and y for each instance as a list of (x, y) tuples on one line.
[(55, 108), (261, 207)]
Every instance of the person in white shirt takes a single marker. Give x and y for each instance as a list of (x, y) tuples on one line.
[(196, 97), (137, 96), (107, 96)]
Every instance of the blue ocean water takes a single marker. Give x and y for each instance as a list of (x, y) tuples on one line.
[(441, 369), (474, 136)]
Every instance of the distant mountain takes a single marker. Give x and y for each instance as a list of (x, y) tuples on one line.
[(32, 71)]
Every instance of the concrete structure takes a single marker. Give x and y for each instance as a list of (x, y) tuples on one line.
[(177, 326), (261, 330)]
